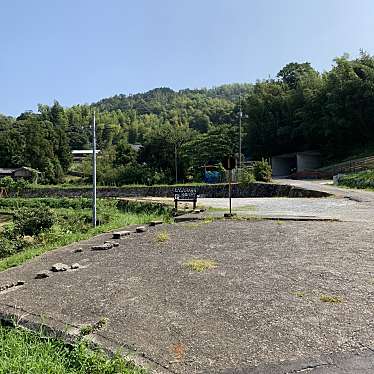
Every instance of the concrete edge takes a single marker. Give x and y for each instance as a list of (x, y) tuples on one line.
[(69, 333)]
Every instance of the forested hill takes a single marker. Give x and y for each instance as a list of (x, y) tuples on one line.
[(164, 99), (299, 109)]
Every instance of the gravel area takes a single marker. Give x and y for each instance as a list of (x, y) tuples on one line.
[(276, 292)]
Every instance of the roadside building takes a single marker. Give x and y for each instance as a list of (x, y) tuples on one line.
[(80, 154), (296, 162), (23, 172)]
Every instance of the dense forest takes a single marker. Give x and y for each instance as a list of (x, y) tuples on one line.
[(299, 109)]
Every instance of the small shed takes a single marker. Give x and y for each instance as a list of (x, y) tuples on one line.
[(23, 172)]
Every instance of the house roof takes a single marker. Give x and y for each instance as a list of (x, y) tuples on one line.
[(10, 171), (7, 171), (136, 147), (84, 151)]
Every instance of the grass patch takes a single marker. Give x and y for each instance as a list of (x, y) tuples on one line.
[(23, 351), (299, 294), (330, 299), (244, 208), (200, 265), (74, 224), (162, 236)]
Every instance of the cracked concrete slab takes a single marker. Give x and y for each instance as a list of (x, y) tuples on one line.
[(259, 308)]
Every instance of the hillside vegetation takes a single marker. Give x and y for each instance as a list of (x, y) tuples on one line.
[(299, 109)]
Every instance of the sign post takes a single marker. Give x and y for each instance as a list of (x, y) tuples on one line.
[(229, 164), (185, 194)]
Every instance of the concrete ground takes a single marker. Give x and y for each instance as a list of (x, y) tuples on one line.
[(350, 205), (283, 297)]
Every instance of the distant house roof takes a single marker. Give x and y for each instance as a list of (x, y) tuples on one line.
[(7, 171), (10, 171), (136, 147), (83, 152)]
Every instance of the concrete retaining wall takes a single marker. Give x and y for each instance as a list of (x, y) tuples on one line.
[(212, 190)]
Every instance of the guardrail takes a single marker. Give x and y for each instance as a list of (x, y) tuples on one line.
[(352, 166)]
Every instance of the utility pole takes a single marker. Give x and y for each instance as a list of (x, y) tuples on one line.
[(240, 132), (94, 170)]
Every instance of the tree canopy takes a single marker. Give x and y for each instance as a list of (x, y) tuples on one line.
[(299, 109)]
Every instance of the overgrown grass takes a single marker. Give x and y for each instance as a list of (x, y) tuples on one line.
[(75, 224), (23, 351), (89, 186), (200, 265), (244, 208), (330, 299), (162, 236), (362, 180)]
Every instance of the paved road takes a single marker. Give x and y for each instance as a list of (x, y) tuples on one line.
[(327, 186), (346, 205), (258, 311)]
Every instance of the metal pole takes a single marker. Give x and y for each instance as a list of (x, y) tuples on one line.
[(94, 171), (240, 132), (176, 163), (230, 177)]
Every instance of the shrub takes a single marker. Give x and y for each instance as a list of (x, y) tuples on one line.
[(10, 247), (363, 179), (262, 171), (246, 176), (31, 221), (8, 184)]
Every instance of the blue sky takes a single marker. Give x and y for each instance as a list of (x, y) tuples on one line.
[(79, 51)]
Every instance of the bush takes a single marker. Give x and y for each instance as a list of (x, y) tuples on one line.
[(8, 184), (262, 171), (31, 221), (364, 179), (246, 176), (9, 246), (50, 202)]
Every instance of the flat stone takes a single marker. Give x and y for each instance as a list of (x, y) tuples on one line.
[(141, 229), (154, 223), (114, 244), (120, 234), (6, 286), (196, 211), (102, 247), (42, 274), (59, 267), (75, 266)]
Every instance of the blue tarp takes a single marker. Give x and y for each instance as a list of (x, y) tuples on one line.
[(212, 177)]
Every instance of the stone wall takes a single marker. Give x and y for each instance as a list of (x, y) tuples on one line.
[(212, 190)]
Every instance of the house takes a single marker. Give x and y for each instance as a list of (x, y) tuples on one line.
[(24, 172), (80, 154)]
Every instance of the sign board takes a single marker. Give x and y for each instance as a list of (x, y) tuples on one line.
[(185, 193), (229, 163)]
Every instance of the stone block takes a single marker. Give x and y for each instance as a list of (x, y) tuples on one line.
[(120, 234), (59, 267), (102, 247)]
